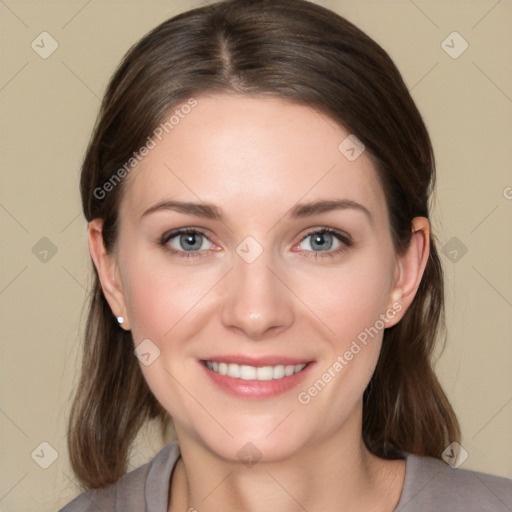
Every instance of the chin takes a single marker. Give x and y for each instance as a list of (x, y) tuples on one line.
[(267, 441)]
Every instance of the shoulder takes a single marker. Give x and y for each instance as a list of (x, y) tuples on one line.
[(433, 485), (144, 488)]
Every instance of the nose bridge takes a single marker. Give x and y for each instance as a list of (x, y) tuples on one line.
[(256, 300)]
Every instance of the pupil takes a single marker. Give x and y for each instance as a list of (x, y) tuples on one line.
[(319, 240), (190, 241)]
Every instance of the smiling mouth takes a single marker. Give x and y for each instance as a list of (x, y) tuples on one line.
[(262, 373)]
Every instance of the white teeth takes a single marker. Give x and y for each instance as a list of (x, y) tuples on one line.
[(254, 373), (289, 370), (233, 371), (278, 372), (265, 373), (247, 372)]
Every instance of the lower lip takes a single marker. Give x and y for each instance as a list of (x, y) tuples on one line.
[(256, 388)]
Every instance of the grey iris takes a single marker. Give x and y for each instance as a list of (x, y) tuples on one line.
[(318, 241), (191, 241)]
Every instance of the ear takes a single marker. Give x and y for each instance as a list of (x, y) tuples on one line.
[(108, 271), (409, 271)]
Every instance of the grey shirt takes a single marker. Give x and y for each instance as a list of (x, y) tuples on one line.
[(430, 485)]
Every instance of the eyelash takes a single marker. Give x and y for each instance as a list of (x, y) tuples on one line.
[(340, 236)]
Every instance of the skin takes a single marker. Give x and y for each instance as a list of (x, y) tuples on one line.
[(256, 158)]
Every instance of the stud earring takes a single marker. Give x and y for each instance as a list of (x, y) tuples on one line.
[(120, 319)]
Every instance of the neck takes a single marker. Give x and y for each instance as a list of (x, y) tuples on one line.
[(337, 474)]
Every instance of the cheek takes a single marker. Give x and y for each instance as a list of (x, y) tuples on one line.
[(164, 304), (348, 300), (162, 298)]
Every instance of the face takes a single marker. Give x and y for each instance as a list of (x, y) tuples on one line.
[(289, 300)]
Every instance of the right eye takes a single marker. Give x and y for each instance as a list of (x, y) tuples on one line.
[(185, 242)]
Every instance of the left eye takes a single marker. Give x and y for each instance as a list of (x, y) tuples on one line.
[(323, 240)]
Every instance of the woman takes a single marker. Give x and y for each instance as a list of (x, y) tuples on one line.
[(257, 192)]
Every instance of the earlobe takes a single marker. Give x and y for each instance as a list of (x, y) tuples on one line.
[(108, 271), (410, 268)]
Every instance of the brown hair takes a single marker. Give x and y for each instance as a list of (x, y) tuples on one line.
[(304, 53)]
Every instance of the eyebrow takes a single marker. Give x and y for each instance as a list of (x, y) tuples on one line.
[(210, 211)]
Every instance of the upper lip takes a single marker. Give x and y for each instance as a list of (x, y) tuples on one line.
[(258, 360)]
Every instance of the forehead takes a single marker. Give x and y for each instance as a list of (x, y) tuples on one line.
[(251, 154)]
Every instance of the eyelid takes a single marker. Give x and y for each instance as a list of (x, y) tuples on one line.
[(345, 237), (188, 229)]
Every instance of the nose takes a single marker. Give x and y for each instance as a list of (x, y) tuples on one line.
[(257, 304)]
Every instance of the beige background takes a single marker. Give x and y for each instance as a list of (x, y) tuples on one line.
[(48, 107)]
